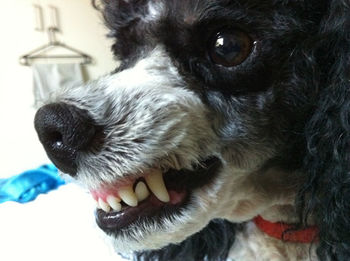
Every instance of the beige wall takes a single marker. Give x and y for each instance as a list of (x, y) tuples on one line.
[(82, 28)]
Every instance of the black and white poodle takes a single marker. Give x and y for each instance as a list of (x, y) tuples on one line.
[(223, 134)]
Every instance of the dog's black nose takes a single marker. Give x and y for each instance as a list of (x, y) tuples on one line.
[(64, 130)]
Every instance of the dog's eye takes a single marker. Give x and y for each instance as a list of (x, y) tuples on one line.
[(230, 47)]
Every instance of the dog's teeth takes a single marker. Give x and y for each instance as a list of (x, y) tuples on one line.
[(103, 205), (97, 204), (156, 184), (141, 191), (114, 203), (128, 196)]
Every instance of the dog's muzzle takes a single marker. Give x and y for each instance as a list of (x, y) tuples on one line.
[(64, 130), (142, 143)]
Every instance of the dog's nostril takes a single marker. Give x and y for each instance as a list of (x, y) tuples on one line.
[(64, 130), (56, 137)]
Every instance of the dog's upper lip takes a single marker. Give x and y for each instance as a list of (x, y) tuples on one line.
[(179, 184)]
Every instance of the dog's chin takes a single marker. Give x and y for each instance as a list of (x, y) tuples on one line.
[(154, 224)]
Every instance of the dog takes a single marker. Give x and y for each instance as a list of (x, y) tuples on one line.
[(223, 134)]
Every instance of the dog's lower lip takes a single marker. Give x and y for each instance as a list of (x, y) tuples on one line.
[(179, 184), (128, 215)]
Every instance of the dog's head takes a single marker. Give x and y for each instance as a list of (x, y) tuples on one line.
[(205, 118)]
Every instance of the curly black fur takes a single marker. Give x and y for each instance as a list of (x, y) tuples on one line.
[(326, 194), (211, 244)]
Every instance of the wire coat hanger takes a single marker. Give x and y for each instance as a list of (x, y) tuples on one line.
[(36, 54)]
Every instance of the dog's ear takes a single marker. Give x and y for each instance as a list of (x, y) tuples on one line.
[(326, 194)]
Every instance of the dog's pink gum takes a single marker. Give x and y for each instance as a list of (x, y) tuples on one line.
[(108, 190), (176, 197)]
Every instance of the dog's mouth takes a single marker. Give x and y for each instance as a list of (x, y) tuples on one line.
[(151, 197)]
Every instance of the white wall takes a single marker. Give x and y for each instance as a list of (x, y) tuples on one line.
[(82, 28)]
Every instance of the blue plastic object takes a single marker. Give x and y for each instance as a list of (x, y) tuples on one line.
[(28, 185)]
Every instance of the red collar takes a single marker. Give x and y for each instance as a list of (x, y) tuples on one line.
[(287, 232)]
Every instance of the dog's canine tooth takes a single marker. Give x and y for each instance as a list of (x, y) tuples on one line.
[(114, 202), (141, 191), (128, 196), (156, 184), (104, 206)]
